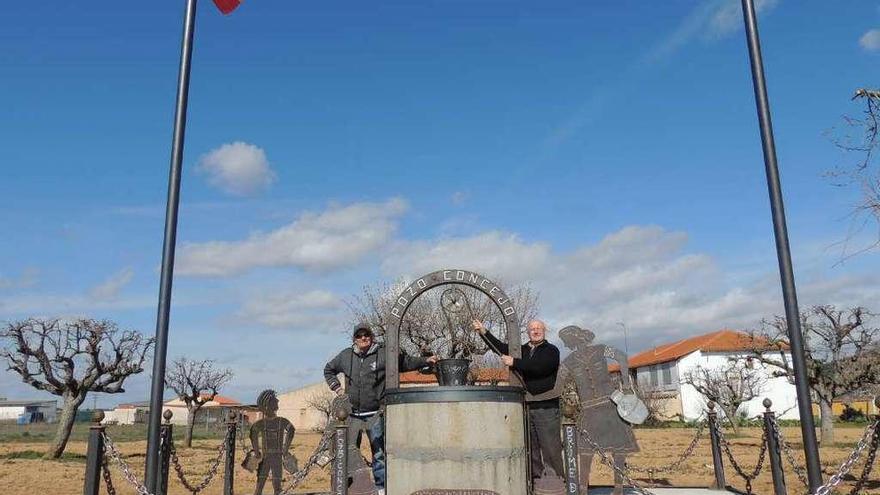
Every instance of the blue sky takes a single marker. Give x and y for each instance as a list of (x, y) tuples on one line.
[(605, 153)]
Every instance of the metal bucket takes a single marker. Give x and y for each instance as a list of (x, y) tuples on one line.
[(452, 372), (458, 438)]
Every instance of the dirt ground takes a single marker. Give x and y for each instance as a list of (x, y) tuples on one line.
[(21, 473)]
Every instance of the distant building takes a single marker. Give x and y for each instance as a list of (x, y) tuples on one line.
[(212, 413), (29, 411), (128, 414), (660, 372)]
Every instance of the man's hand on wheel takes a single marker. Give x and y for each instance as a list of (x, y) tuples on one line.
[(477, 325)]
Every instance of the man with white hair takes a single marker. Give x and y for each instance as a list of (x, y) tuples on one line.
[(538, 367)]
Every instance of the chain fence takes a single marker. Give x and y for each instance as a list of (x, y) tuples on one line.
[(799, 470), (675, 465), (114, 454), (212, 471), (748, 477), (608, 460), (869, 439)]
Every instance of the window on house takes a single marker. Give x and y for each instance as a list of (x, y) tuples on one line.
[(667, 374), (654, 376)]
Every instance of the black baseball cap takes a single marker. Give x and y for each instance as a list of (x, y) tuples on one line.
[(362, 329)]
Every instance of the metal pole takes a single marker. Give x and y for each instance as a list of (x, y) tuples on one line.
[(717, 462), (570, 449), (164, 309), (783, 253), (229, 468), (773, 449), (339, 473), (94, 455), (167, 436)]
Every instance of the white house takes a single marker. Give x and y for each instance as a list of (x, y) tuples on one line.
[(37, 411), (660, 372)]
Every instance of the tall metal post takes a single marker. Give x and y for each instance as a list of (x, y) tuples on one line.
[(151, 471), (94, 456), (339, 470), (783, 253)]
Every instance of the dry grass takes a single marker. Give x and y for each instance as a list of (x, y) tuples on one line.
[(23, 474)]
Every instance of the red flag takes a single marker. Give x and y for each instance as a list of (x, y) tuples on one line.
[(227, 6)]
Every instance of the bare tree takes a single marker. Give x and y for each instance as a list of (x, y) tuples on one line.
[(321, 401), (195, 383), (841, 350), (656, 401), (861, 136), (729, 386), (427, 328), (70, 359)]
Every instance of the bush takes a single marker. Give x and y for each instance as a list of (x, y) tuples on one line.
[(852, 415)]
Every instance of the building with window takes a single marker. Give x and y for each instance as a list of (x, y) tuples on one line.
[(660, 372)]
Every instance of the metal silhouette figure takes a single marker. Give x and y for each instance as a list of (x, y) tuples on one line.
[(587, 367), (270, 438)]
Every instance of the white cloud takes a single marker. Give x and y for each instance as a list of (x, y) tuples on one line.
[(459, 198), (337, 237), (28, 278), (728, 19), (870, 41), (316, 310), (110, 288), (238, 168), (640, 275)]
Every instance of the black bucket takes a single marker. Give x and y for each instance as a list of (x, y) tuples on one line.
[(452, 372)]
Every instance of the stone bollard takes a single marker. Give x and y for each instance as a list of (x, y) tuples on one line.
[(717, 463), (165, 432), (229, 468), (773, 449), (94, 455), (570, 454)]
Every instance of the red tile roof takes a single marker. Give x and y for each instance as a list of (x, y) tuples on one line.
[(483, 375), (720, 341)]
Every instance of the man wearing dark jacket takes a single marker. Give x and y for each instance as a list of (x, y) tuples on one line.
[(538, 367), (363, 365)]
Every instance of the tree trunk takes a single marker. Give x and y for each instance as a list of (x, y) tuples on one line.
[(190, 424), (730, 417), (827, 425), (65, 425)]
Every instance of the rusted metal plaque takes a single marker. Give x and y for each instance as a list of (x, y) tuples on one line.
[(455, 491)]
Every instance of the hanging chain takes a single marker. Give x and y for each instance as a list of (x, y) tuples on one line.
[(105, 473), (847, 465), (195, 489), (610, 463), (688, 452), (759, 466), (124, 467), (314, 459), (869, 461), (798, 469)]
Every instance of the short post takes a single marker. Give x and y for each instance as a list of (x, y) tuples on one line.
[(717, 463), (339, 473), (229, 470), (570, 451), (94, 455), (165, 439), (773, 449)]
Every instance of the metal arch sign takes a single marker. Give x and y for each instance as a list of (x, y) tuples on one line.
[(446, 277)]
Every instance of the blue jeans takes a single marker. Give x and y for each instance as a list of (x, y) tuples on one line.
[(375, 429)]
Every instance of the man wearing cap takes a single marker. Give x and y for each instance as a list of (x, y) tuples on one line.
[(363, 365), (538, 367)]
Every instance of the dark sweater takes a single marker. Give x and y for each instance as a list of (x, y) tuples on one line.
[(365, 375), (538, 365)]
